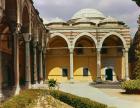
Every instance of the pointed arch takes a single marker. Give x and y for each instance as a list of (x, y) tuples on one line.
[(85, 34), (115, 34), (62, 36)]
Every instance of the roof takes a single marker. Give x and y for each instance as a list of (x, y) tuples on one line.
[(88, 13)]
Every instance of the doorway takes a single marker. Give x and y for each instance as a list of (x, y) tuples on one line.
[(109, 74)]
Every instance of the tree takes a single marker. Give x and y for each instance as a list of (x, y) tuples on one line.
[(137, 65), (137, 2)]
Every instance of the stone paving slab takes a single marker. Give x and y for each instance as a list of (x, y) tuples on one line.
[(85, 90)]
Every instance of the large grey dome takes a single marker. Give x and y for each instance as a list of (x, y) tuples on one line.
[(88, 13)]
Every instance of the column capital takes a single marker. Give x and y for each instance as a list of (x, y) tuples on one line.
[(44, 50), (98, 49), (15, 28), (126, 49), (35, 38), (40, 48), (27, 37), (71, 49), (34, 44)]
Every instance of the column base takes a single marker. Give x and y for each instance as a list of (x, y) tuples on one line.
[(1, 96), (99, 80), (17, 90), (36, 82), (71, 80), (28, 85), (41, 82), (127, 78)]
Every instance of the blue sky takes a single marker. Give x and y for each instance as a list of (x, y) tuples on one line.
[(124, 10)]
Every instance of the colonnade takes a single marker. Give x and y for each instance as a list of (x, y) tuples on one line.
[(42, 60), (98, 75)]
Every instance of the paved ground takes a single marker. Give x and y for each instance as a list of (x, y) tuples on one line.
[(120, 93), (85, 90)]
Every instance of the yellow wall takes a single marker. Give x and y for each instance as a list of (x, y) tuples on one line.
[(55, 65), (81, 62), (117, 67), (58, 59)]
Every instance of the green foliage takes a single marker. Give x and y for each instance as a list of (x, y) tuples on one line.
[(29, 97), (21, 101), (137, 2), (52, 83), (76, 101), (137, 65), (131, 85)]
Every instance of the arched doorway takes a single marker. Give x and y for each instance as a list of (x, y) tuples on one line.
[(109, 74), (85, 59), (112, 56), (57, 59)]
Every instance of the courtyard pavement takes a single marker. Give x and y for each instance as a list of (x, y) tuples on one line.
[(85, 90)]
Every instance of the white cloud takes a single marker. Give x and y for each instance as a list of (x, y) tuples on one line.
[(125, 10)]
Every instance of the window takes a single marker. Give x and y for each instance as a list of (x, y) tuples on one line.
[(80, 49), (85, 71), (104, 51), (64, 72), (119, 49)]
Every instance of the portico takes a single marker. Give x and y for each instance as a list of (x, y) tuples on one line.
[(93, 44)]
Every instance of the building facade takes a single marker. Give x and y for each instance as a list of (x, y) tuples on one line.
[(22, 45), (88, 47)]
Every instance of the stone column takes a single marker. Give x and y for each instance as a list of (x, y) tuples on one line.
[(44, 64), (71, 63), (27, 38), (126, 64), (40, 65), (16, 63), (35, 61), (98, 79), (123, 65)]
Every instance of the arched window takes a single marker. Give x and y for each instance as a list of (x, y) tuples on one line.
[(80, 49), (104, 49)]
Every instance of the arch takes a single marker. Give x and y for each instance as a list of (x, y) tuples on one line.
[(85, 34), (11, 9), (6, 29), (25, 19), (62, 36), (25, 4), (112, 33)]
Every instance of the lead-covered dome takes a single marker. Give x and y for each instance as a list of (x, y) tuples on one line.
[(88, 13)]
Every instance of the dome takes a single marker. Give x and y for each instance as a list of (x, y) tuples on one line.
[(57, 20), (109, 19), (88, 13), (83, 20)]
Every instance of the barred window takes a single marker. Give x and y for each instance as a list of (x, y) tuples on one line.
[(85, 71), (64, 72)]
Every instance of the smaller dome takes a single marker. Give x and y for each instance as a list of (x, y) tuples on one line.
[(57, 20), (109, 19), (83, 20), (46, 21), (86, 20)]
